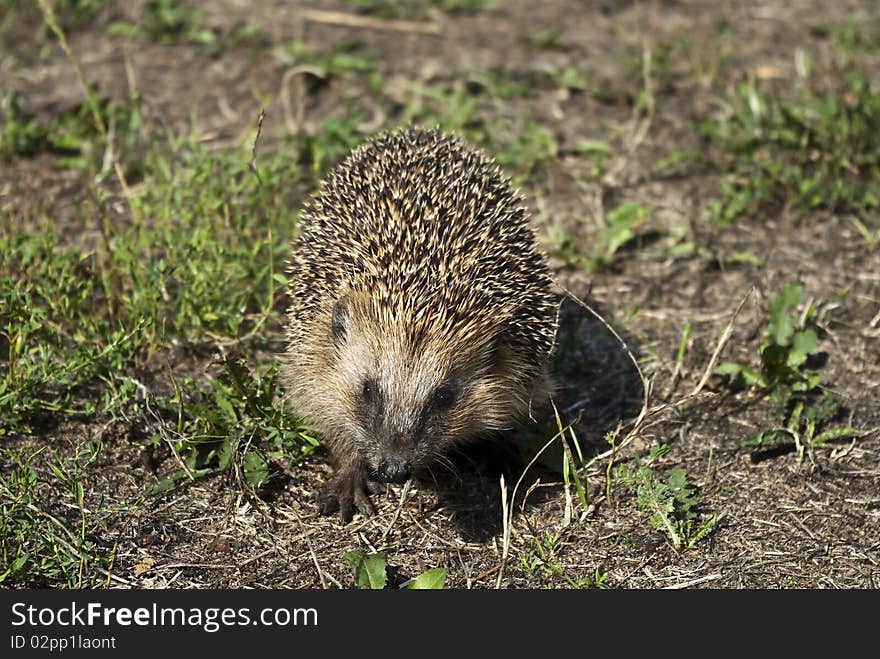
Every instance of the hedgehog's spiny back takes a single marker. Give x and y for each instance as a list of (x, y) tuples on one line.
[(434, 233)]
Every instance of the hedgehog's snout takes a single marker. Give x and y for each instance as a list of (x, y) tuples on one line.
[(395, 470)]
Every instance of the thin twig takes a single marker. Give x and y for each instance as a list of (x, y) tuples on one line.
[(397, 512), (692, 582), (293, 117), (163, 431), (252, 165), (366, 22), (49, 17), (305, 536), (639, 125), (725, 337), (505, 532)]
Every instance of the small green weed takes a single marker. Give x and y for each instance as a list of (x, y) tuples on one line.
[(549, 39), (238, 423), (500, 82), (564, 457), (540, 560), (71, 136), (821, 150), (318, 152), (598, 152), (619, 229), (70, 14), (521, 145), (169, 21), (792, 384), (570, 79), (21, 134), (672, 505), (856, 38), (38, 546), (343, 60)]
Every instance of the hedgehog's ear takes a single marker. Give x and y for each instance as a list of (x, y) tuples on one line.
[(499, 343), (504, 348), (339, 320)]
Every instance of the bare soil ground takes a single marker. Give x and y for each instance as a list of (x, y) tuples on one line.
[(783, 522)]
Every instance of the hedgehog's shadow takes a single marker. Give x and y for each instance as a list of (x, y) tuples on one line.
[(470, 487), (597, 387)]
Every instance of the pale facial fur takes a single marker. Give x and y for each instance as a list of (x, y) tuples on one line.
[(400, 404)]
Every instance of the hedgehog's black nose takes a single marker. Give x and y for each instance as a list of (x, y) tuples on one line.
[(392, 470)]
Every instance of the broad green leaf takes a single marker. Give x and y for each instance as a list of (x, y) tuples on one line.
[(836, 433), (769, 439), (802, 345), (162, 486), (15, 566), (737, 371), (618, 236), (224, 404), (593, 147), (256, 469), (369, 569), (224, 454), (824, 408), (774, 358), (752, 378), (433, 579), (677, 479), (781, 325)]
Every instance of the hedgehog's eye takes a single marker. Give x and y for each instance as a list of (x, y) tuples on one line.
[(369, 390), (443, 396)]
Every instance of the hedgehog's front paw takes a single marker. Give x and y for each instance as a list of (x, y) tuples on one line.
[(348, 490)]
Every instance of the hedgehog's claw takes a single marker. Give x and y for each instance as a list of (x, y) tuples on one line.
[(346, 492)]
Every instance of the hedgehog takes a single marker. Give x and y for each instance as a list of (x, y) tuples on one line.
[(422, 313)]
